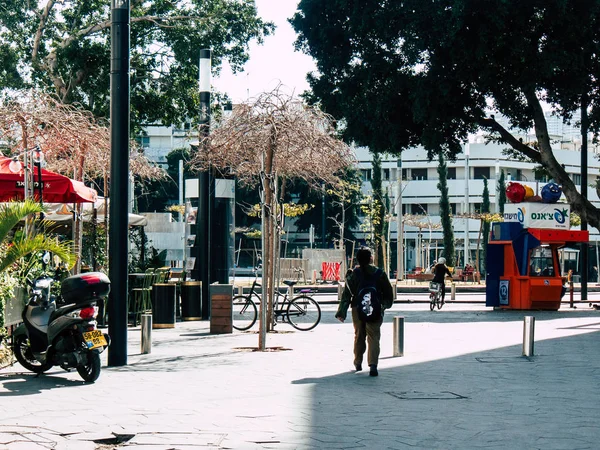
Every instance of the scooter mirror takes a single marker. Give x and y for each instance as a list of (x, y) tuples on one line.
[(46, 258)]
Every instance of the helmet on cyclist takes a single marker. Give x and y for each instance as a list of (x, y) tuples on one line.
[(442, 261)]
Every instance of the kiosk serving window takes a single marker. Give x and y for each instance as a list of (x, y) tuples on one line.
[(541, 262)]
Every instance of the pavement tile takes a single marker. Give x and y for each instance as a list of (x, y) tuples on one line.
[(177, 439), (76, 445)]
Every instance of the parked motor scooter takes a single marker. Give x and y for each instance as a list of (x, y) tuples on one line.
[(66, 335)]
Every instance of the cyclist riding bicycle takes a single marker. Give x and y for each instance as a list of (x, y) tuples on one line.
[(439, 275)]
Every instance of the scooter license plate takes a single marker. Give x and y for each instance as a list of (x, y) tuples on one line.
[(94, 339)]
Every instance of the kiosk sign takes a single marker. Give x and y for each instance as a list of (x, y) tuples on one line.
[(539, 215), (503, 292)]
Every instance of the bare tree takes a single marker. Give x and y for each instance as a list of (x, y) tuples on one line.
[(73, 141), (271, 138)]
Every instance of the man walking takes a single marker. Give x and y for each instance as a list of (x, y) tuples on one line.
[(365, 330)]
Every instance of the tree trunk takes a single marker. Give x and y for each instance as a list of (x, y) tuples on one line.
[(268, 256), (579, 204)]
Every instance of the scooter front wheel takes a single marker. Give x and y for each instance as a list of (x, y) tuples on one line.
[(24, 355), (90, 371)]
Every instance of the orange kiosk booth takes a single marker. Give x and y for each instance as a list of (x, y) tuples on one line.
[(523, 269)]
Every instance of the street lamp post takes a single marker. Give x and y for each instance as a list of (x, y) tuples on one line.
[(399, 226), (36, 156), (467, 206), (204, 215), (118, 253)]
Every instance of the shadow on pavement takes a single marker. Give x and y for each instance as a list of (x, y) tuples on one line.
[(30, 383), (487, 399)]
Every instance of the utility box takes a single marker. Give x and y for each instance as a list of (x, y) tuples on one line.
[(221, 308)]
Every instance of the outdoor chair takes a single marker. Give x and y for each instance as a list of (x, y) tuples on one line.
[(141, 296)]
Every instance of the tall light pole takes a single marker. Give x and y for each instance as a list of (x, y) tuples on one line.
[(584, 193), (467, 206), (119, 182), (203, 217), (399, 225)]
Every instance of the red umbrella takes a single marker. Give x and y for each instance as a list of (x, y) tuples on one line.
[(56, 189)]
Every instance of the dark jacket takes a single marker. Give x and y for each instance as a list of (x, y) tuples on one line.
[(383, 286), (439, 273)]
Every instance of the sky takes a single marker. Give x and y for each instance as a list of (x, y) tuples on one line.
[(272, 63)]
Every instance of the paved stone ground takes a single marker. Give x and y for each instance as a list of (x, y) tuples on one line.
[(462, 384)]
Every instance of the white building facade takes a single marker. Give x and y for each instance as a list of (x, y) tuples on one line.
[(420, 194)]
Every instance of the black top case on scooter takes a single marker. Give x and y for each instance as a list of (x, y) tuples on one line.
[(85, 287)]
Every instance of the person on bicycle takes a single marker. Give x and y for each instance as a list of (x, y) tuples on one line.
[(369, 331), (439, 275)]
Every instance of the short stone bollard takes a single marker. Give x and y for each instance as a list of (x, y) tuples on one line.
[(240, 290), (453, 291), (398, 336), (146, 322), (528, 335)]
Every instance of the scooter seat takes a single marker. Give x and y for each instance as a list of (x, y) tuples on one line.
[(64, 310)]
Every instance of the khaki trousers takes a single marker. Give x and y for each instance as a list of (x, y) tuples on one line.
[(369, 332)]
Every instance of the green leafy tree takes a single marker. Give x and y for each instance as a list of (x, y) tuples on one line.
[(485, 226), (378, 211), (501, 194), (446, 63), (64, 48), (445, 211)]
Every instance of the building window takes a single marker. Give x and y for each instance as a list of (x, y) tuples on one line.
[(477, 207), (576, 178), (366, 174), (418, 209), (451, 173), (453, 208), (144, 141), (404, 174), (479, 173), (419, 174), (385, 175)]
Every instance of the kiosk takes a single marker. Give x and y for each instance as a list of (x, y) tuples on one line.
[(523, 269)]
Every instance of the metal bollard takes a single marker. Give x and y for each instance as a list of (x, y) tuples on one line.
[(340, 290), (453, 291), (528, 335), (146, 333), (398, 336)]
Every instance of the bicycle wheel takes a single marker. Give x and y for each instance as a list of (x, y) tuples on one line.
[(431, 301), (303, 313), (244, 313), (439, 301)]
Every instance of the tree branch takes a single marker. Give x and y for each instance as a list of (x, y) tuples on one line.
[(40, 30), (507, 137)]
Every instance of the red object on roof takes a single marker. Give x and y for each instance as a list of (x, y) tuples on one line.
[(56, 189), (552, 236)]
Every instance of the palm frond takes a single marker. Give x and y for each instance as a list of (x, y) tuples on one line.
[(12, 213), (24, 246)]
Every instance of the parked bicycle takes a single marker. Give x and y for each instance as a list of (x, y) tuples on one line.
[(302, 311), (435, 296)]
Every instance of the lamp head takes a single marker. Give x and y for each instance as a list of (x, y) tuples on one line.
[(38, 156), (15, 165)]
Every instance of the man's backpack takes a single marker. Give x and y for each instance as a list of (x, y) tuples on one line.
[(368, 298)]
